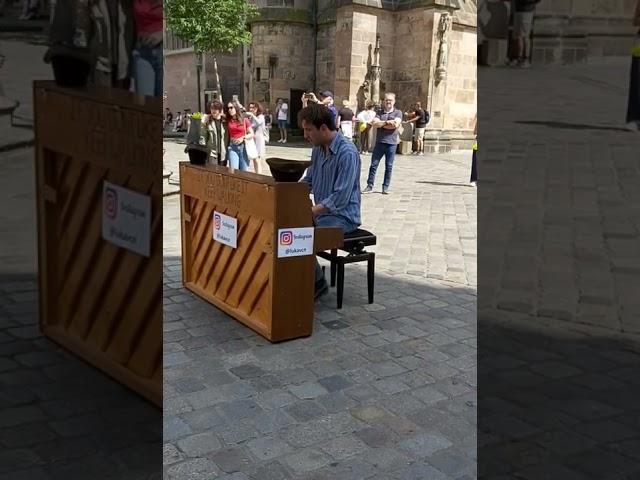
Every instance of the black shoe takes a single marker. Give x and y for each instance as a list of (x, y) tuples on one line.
[(369, 189), (385, 191), (320, 292)]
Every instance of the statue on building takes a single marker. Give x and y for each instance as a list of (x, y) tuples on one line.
[(444, 26), (364, 94), (375, 72)]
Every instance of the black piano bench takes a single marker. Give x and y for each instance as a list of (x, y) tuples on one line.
[(354, 245)]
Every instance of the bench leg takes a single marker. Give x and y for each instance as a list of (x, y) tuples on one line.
[(371, 269), (334, 254), (340, 289)]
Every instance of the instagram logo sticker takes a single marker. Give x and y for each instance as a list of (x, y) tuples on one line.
[(111, 202), (216, 221), (286, 237)]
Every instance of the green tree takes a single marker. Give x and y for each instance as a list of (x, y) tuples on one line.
[(211, 26)]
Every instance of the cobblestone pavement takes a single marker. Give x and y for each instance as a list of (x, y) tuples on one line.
[(59, 417), (425, 228), (559, 223), (382, 391), (558, 302)]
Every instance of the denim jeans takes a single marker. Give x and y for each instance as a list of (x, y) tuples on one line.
[(237, 157), (329, 221), (147, 70), (389, 153)]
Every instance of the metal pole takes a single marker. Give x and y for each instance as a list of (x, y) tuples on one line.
[(198, 68)]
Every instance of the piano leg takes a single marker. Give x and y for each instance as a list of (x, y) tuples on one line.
[(371, 268), (334, 253), (340, 289)]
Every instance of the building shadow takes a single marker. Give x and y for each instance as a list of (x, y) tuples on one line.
[(555, 401), (60, 417)]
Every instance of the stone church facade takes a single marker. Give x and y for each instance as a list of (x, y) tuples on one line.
[(422, 50)]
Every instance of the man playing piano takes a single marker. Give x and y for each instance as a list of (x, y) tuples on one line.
[(334, 176)]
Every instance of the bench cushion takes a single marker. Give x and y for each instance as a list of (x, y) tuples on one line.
[(359, 237)]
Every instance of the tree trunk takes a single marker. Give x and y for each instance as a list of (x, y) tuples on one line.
[(217, 78)]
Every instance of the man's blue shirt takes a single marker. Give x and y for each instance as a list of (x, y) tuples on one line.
[(334, 177)]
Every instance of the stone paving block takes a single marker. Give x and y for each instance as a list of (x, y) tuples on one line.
[(268, 448), (306, 460), (200, 444), (195, 469)]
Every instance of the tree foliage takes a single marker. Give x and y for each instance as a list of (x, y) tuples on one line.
[(211, 25)]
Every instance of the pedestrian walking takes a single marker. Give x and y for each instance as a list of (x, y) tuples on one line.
[(214, 121), (633, 107), (345, 120), (261, 134), (387, 122), (282, 112), (147, 53), (239, 129), (522, 24), (421, 118)]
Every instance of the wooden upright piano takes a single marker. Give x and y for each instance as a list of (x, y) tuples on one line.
[(270, 294)]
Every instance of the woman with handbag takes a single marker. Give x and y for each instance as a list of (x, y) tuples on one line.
[(261, 134), (239, 130), (633, 108)]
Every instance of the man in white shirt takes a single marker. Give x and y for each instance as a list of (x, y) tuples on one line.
[(282, 111), (365, 119)]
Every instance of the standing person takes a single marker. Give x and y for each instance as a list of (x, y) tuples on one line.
[(282, 112), (345, 120), (387, 121), (214, 122), (258, 124), (239, 129), (268, 120), (522, 24), (147, 53), (633, 107), (326, 99), (421, 118), (365, 117), (474, 165), (334, 177), (168, 119)]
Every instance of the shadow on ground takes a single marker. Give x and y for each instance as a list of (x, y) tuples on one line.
[(572, 126), (381, 391), (556, 402), (60, 418)]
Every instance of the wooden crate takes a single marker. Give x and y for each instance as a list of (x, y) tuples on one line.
[(273, 296), (100, 301)]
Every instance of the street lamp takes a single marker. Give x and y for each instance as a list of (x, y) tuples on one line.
[(198, 70)]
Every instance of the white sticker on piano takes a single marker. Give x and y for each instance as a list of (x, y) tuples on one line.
[(225, 229), (295, 242)]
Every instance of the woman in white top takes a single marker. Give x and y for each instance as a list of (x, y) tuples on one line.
[(365, 117), (256, 115)]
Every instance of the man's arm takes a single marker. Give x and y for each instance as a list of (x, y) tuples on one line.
[(308, 177), (348, 171)]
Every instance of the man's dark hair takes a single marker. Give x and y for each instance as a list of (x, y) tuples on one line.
[(215, 103), (317, 115)]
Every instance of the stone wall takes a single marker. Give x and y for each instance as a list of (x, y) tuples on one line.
[(325, 59), (180, 81), (413, 40), (284, 54), (571, 31)]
